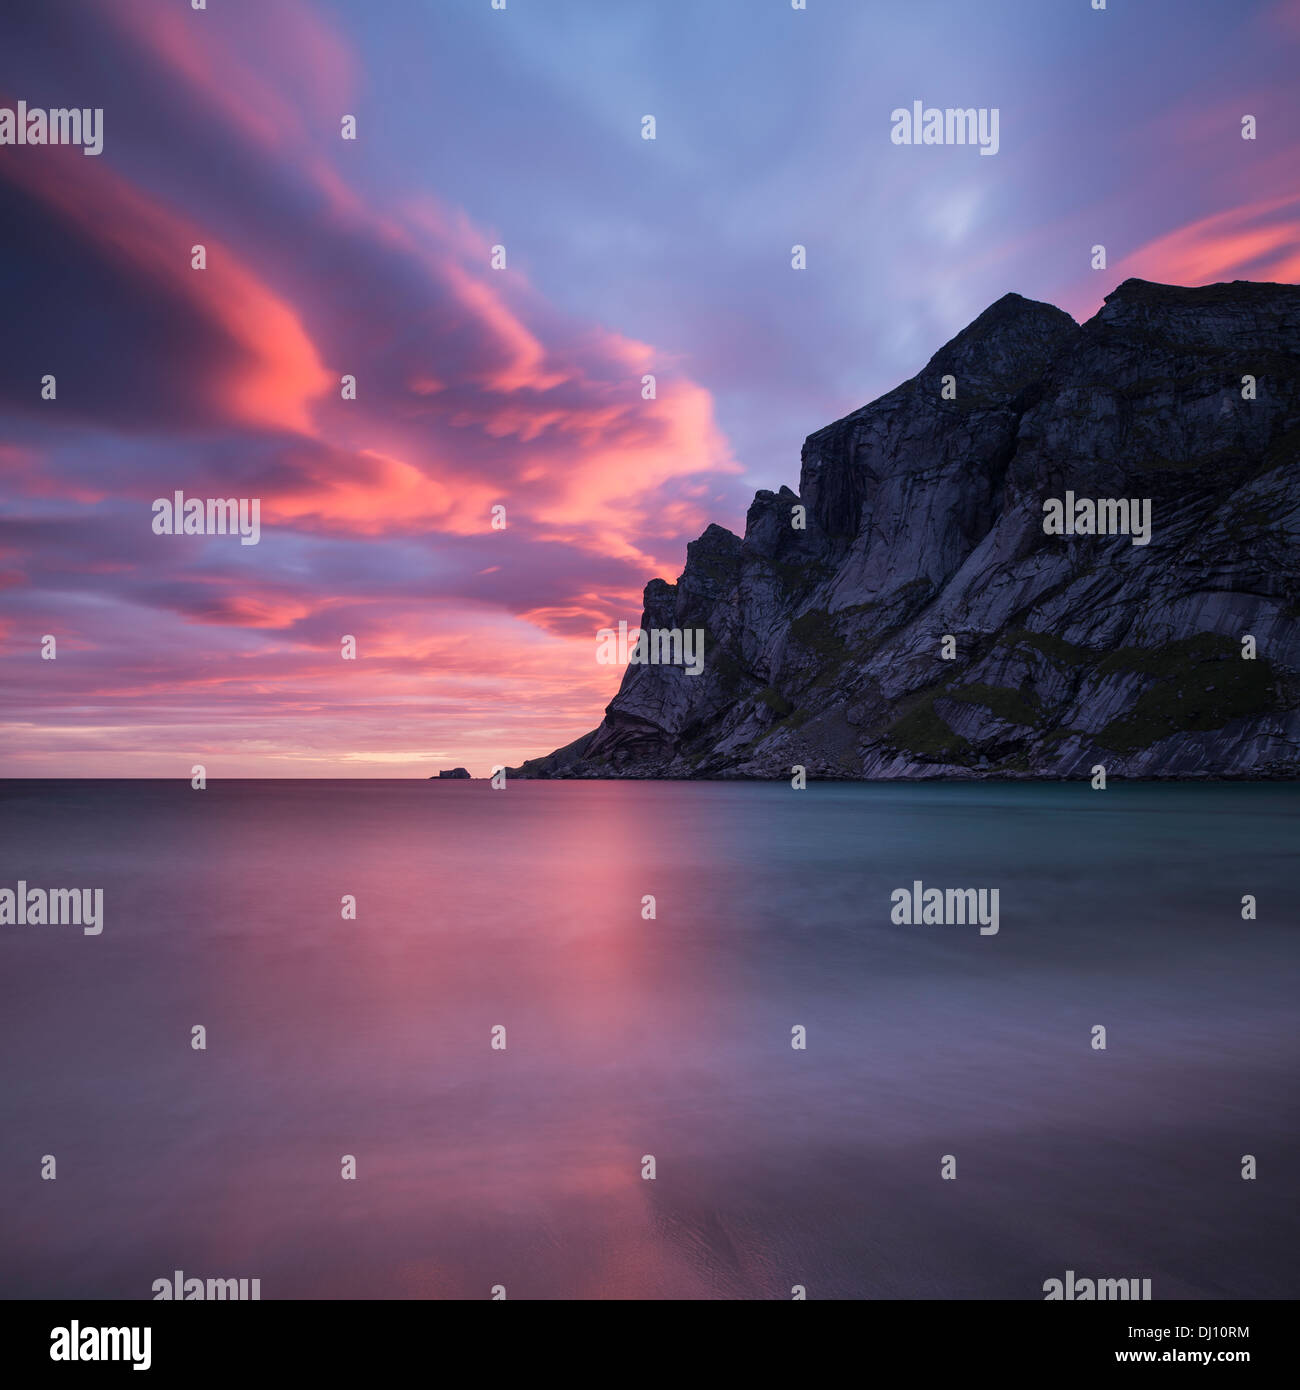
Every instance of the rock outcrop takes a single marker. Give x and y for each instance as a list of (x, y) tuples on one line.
[(923, 519), (457, 772)]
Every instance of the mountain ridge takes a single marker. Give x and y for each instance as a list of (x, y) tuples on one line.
[(923, 520)]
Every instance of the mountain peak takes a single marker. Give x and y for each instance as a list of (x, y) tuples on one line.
[(1012, 336)]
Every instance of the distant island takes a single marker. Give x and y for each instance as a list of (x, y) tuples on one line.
[(1057, 546), (452, 772)]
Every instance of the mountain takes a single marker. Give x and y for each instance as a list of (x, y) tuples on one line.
[(925, 518)]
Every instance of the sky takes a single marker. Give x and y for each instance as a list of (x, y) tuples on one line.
[(520, 387)]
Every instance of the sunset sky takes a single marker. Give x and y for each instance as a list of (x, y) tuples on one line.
[(520, 387)]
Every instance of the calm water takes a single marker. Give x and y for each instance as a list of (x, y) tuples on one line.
[(670, 1037)]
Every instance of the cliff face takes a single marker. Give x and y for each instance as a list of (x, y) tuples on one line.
[(924, 516)]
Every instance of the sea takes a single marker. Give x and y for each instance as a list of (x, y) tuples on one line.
[(650, 1040)]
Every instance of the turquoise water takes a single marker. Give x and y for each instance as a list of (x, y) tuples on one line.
[(669, 1037)]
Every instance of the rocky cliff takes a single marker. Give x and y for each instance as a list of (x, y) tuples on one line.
[(920, 518)]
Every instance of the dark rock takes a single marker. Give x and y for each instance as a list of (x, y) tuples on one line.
[(454, 772), (924, 518)]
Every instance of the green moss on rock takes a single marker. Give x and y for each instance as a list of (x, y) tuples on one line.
[(775, 701), (816, 631), (1200, 684), (1053, 648), (922, 731), (1007, 704)]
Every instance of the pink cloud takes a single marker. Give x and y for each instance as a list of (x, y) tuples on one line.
[(473, 390), (1256, 241), (277, 371), (216, 56)]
